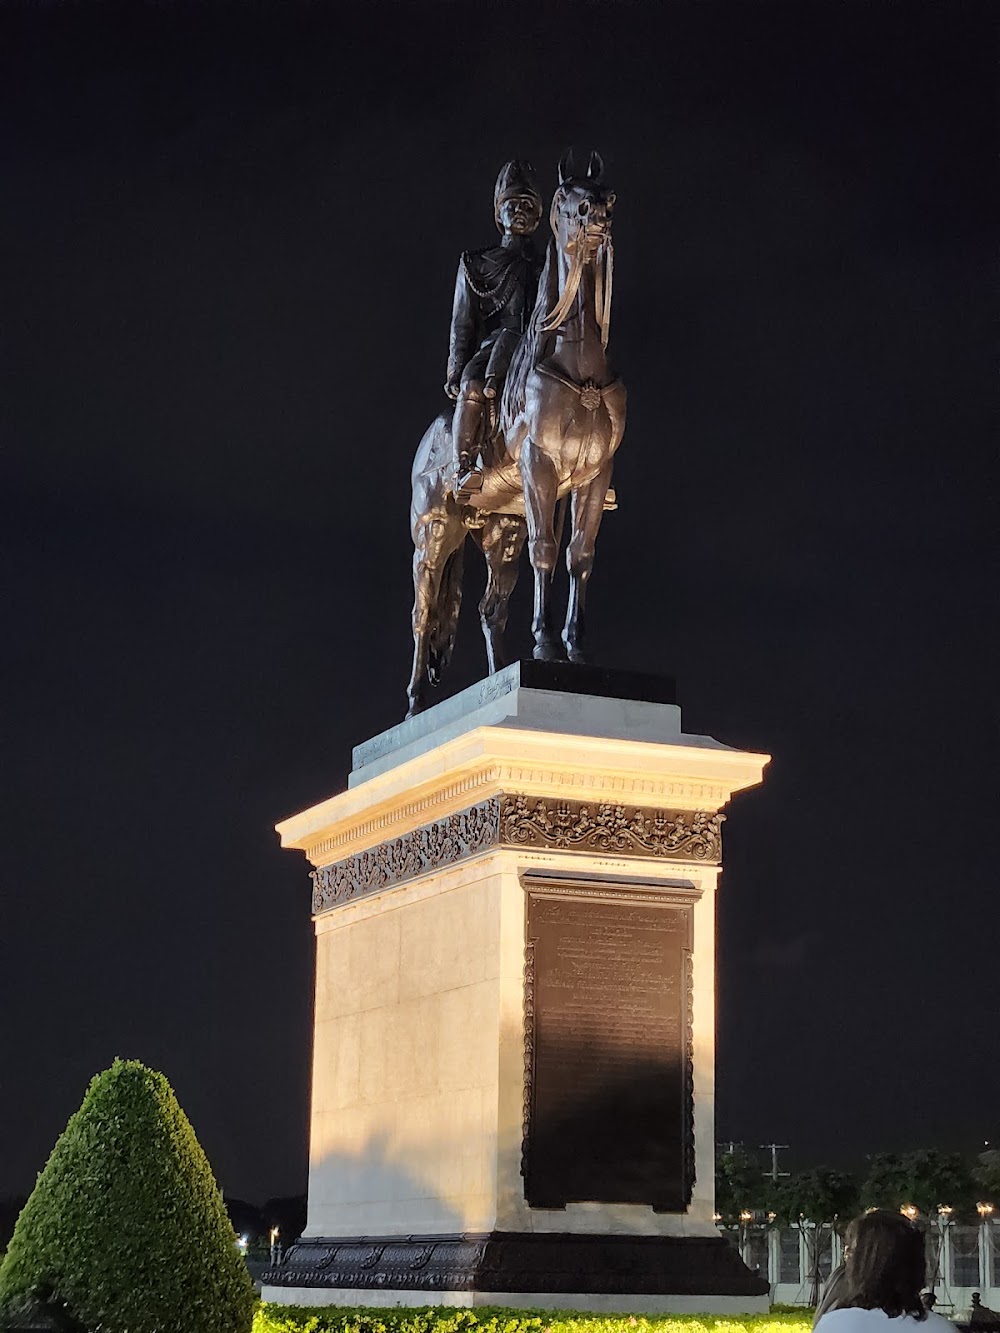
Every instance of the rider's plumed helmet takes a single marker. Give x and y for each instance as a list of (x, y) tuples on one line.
[(516, 179)]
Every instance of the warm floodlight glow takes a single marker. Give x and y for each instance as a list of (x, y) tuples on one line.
[(275, 1233), (746, 1216), (944, 1210), (909, 1210), (984, 1209)]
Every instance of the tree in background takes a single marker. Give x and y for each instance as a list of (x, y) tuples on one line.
[(739, 1184), (887, 1183), (288, 1214), (245, 1218), (810, 1200), (925, 1179), (986, 1176), (126, 1230), (938, 1185)]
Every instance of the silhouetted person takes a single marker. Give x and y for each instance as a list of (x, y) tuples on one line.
[(834, 1292), (884, 1272), (928, 1299), (980, 1315)]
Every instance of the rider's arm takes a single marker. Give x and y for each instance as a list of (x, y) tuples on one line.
[(463, 327)]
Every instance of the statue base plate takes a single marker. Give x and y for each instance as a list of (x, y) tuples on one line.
[(626, 1274)]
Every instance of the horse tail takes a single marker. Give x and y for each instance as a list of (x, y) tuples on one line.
[(444, 621)]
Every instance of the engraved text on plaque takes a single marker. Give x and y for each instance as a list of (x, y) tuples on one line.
[(609, 1104)]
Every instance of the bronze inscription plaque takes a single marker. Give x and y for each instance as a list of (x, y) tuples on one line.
[(608, 1055)]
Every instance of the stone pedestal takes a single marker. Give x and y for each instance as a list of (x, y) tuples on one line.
[(513, 1073)]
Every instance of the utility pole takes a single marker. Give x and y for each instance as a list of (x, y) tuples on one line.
[(774, 1149)]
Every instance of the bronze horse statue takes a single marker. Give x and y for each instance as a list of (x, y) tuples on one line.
[(561, 418)]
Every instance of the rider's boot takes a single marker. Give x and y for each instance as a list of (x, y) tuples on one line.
[(468, 478), (466, 433)]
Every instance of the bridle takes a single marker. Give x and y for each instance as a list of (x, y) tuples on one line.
[(604, 271)]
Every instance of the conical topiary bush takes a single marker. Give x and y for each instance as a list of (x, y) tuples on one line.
[(126, 1227)]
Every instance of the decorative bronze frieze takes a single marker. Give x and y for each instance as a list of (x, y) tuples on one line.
[(529, 1049), (608, 827), (521, 821), (688, 1148), (439, 844), (501, 1261)]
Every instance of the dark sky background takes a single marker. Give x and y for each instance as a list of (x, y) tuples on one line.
[(228, 240)]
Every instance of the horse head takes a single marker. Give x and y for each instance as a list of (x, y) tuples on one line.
[(580, 218), (582, 210)]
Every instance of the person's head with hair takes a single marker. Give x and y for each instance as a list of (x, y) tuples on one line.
[(885, 1264)]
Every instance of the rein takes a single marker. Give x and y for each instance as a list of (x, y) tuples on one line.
[(604, 275)]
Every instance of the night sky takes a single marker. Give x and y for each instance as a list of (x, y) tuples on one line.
[(228, 242)]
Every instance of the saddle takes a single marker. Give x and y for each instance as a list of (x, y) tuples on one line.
[(493, 453)]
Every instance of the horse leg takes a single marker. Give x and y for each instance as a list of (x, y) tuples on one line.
[(541, 489), (587, 511), (431, 549), (423, 600), (501, 540)]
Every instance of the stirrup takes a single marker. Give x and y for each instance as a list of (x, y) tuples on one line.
[(468, 481)]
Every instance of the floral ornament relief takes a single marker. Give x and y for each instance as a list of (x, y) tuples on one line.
[(441, 843), (608, 827), (520, 821)]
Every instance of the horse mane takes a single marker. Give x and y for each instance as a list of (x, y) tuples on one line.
[(534, 342), (552, 308)]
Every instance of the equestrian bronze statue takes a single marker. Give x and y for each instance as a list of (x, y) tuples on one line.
[(551, 431)]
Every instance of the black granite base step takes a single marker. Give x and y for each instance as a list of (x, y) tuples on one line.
[(558, 677), (500, 1261), (605, 682)]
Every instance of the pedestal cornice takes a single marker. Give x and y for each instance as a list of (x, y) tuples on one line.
[(695, 775)]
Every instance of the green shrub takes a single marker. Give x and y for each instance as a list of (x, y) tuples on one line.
[(486, 1319), (126, 1227)]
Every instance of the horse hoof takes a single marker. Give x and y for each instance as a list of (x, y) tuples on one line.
[(547, 652), (417, 707), (576, 655)]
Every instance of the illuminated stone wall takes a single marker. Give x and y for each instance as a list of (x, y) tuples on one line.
[(422, 1074)]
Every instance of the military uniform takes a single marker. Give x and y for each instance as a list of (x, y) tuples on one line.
[(494, 297)]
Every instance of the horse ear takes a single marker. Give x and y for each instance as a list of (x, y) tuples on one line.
[(595, 168), (566, 166)]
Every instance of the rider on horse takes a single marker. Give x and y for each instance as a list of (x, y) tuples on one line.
[(494, 296)]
